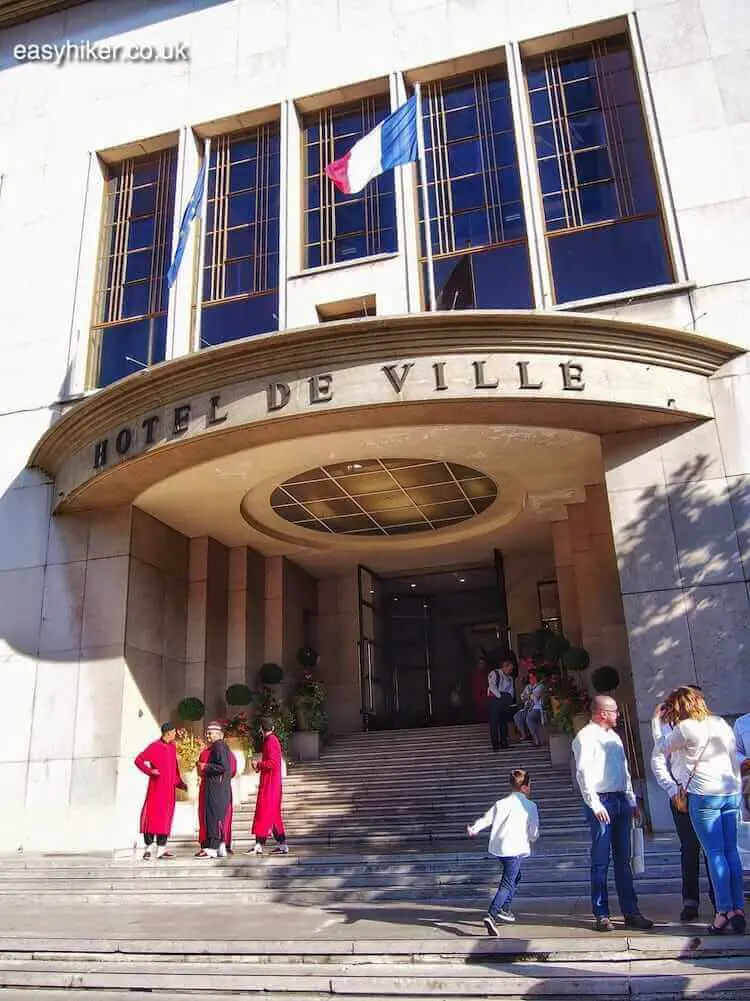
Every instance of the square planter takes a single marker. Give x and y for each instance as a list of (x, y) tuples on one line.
[(560, 748), (306, 745)]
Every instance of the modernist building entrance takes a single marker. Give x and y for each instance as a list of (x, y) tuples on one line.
[(421, 635)]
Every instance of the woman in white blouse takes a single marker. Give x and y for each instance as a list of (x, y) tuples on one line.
[(707, 747)]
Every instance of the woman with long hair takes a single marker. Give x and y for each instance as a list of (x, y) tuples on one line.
[(710, 757)]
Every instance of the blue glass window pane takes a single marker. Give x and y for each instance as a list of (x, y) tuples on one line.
[(575, 69), (536, 77), (350, 218), (135, 299), (237, 277), (231, 321), (544, 137), (241, 242), (467, 193), (464, 158), (549, 175), (243, 175), (313, 226), (554, 208), (471, 229), (141, 233), (272, 272), (501, 116), (144, 201), (386, 243), (313, 159), (351, 247), (601, 261), (599, 202), (138, 265), (272, 195), (313, 194), (498, 89), (644, 194), (580, 96), (505, 149), (502, 279), (587, 129), (206, 284), (458, 97), (145, 173), (124, 348), (349, 124), (242, 149), (540, 106), (510, 184), (312, 133), (241, 209), (313, 256), (593, 165), (462, 124), (513, 221)]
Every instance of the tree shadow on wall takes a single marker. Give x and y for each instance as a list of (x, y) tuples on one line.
[(684, 591)]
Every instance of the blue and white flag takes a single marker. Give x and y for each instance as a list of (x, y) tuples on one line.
[(191, 211), (391, 143)]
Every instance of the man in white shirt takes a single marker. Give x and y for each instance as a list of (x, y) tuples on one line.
[(609, 803), (672, 775), (500, 695), (514, 823)]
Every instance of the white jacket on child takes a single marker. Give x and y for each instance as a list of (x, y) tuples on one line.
[(515, 825)]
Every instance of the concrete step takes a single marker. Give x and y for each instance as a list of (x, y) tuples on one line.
[(708, 977)]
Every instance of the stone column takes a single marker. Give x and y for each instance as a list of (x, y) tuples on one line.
[(208, 599), (566, 582), (246, 616), (684, 591)]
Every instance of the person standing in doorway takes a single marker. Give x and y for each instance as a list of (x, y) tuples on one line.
[(217, 779), (268, 819), (500, 694), (672, 774), (514, 825), (610, 806), (159, 762)]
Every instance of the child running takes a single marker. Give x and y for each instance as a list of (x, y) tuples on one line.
[(514, 823)]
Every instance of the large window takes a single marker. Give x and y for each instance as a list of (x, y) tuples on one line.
[(341, 227), (241, 260), (477, 224), (130, 313), (601, 210)]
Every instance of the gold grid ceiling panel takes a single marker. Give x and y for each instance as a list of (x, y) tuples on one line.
[(383, 497)]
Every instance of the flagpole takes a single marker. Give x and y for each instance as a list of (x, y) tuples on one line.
[(201, 247), (425, 202)]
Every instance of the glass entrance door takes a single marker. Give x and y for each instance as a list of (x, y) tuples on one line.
[(375, 689)]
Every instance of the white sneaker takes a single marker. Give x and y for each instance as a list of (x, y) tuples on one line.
[(207, 853), (280, 850), (489, 924), (222, 852), (508, 916), (255, 850)]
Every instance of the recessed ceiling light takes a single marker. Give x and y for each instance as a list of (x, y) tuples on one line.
[(352, 467), (412, 585), (461, 580)]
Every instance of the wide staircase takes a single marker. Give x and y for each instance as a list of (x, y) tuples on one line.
[(380, 897)]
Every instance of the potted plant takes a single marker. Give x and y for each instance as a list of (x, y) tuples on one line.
[(189, 748), (271, 674), (190, 709), (311, 716), (237, 734), (605, 679)]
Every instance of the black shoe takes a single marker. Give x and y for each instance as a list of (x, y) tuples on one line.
[(738, 923), (603, 924), (489, 924), (714, 929), (689, 913), (638, 921)]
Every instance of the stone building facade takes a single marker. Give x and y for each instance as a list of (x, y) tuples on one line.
[(583, 402)]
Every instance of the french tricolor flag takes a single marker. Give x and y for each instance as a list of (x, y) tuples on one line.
[(391, 143)]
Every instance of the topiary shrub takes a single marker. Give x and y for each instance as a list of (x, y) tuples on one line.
[(576, 659), (190, 710), (307, 656), (272, 674), (238, 695), (605, 679)]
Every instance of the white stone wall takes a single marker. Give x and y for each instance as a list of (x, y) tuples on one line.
[(248, 54)]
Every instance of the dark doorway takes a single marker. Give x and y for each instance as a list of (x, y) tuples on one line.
[(426, 633)]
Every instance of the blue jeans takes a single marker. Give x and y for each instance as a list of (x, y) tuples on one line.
[(715, 821), (531, 721), (509, 880), (611, 839)]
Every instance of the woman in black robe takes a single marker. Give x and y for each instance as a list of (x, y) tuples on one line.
[(217, 775)]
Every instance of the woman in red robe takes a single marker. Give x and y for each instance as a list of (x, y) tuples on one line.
[(203, 758), (268, 819), (159, 762)]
